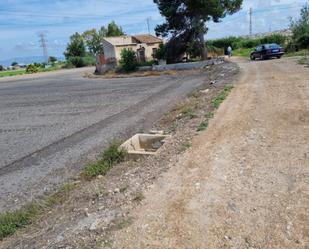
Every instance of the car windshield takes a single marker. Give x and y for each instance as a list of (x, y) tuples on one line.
[(271, 46)]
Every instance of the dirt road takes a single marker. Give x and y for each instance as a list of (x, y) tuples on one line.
[(244, 183)]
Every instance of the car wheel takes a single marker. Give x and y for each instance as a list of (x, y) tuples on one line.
[(252, 57), (279, 56)]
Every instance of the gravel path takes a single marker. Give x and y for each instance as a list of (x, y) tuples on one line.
[(244, 184), (50, 125)]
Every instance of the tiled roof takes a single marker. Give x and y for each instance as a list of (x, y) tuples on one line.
[(146, 39)]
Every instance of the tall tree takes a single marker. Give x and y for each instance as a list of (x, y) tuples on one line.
[(76, 47), (113, 30), (186, 19), (93, 38), (300, 29)]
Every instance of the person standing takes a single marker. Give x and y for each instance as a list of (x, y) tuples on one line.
[(229, 51)]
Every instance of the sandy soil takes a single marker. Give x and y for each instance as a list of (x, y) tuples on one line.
[(244, 183)]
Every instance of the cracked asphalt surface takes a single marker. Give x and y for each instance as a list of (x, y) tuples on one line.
[(51, 124)]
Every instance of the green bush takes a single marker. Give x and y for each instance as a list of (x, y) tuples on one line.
[(89, 60), (246, 43), (32, 69), (78, 61), (274, 38), (300, 28), (128, 60), (242, 42), (223, 42), (160, 54)]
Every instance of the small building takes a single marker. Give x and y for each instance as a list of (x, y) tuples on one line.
[(144, 46)]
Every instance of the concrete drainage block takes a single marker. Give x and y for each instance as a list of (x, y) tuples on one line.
[(144, 144)]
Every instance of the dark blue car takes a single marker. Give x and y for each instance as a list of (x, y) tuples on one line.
[(266, 51)]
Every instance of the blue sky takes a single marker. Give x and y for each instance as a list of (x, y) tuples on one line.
[(21, 20)]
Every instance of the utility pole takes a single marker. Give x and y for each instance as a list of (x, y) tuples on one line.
[(148, 24), (43, 45), (250, 25)]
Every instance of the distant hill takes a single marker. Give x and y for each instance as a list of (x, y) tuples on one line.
[(26, 60)]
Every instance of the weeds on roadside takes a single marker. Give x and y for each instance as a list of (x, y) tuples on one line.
[(111, 156), (14, 220), (203, 126), (185, 146), (11, 221), (222, 96), (138, 197), (124, 223), (304, 61), (215, 103), (188, 112)]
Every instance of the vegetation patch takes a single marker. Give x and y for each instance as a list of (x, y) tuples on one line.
[(222, 96), (138, 197), (111, 156), (215, 103), (123, 223), (185, 146), (12, 73), (188, 112), (203, 125), (11, 221), (304, 61)]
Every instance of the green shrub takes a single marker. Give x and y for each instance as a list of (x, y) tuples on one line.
[(300, 28), (78, 61), (111, 156), (32, 69), (160, 53), (274, 38), (11, 221), (246, 43), (89, 60), (128, 60)]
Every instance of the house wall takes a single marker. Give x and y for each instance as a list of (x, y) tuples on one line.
[(149, 50), (118, 50), (109, 50), (114, 51)]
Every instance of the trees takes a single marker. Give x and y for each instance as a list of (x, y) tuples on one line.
[(76, 47), (300, 29), (186, 20), (112, 30), (93, 38), (14, 64), (52, 59), (1, 68)]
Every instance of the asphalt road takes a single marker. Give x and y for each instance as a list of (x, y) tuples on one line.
[(51, 124)]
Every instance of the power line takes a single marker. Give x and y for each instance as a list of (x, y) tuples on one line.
[(250, 24), (148, 24), (43, 45)]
